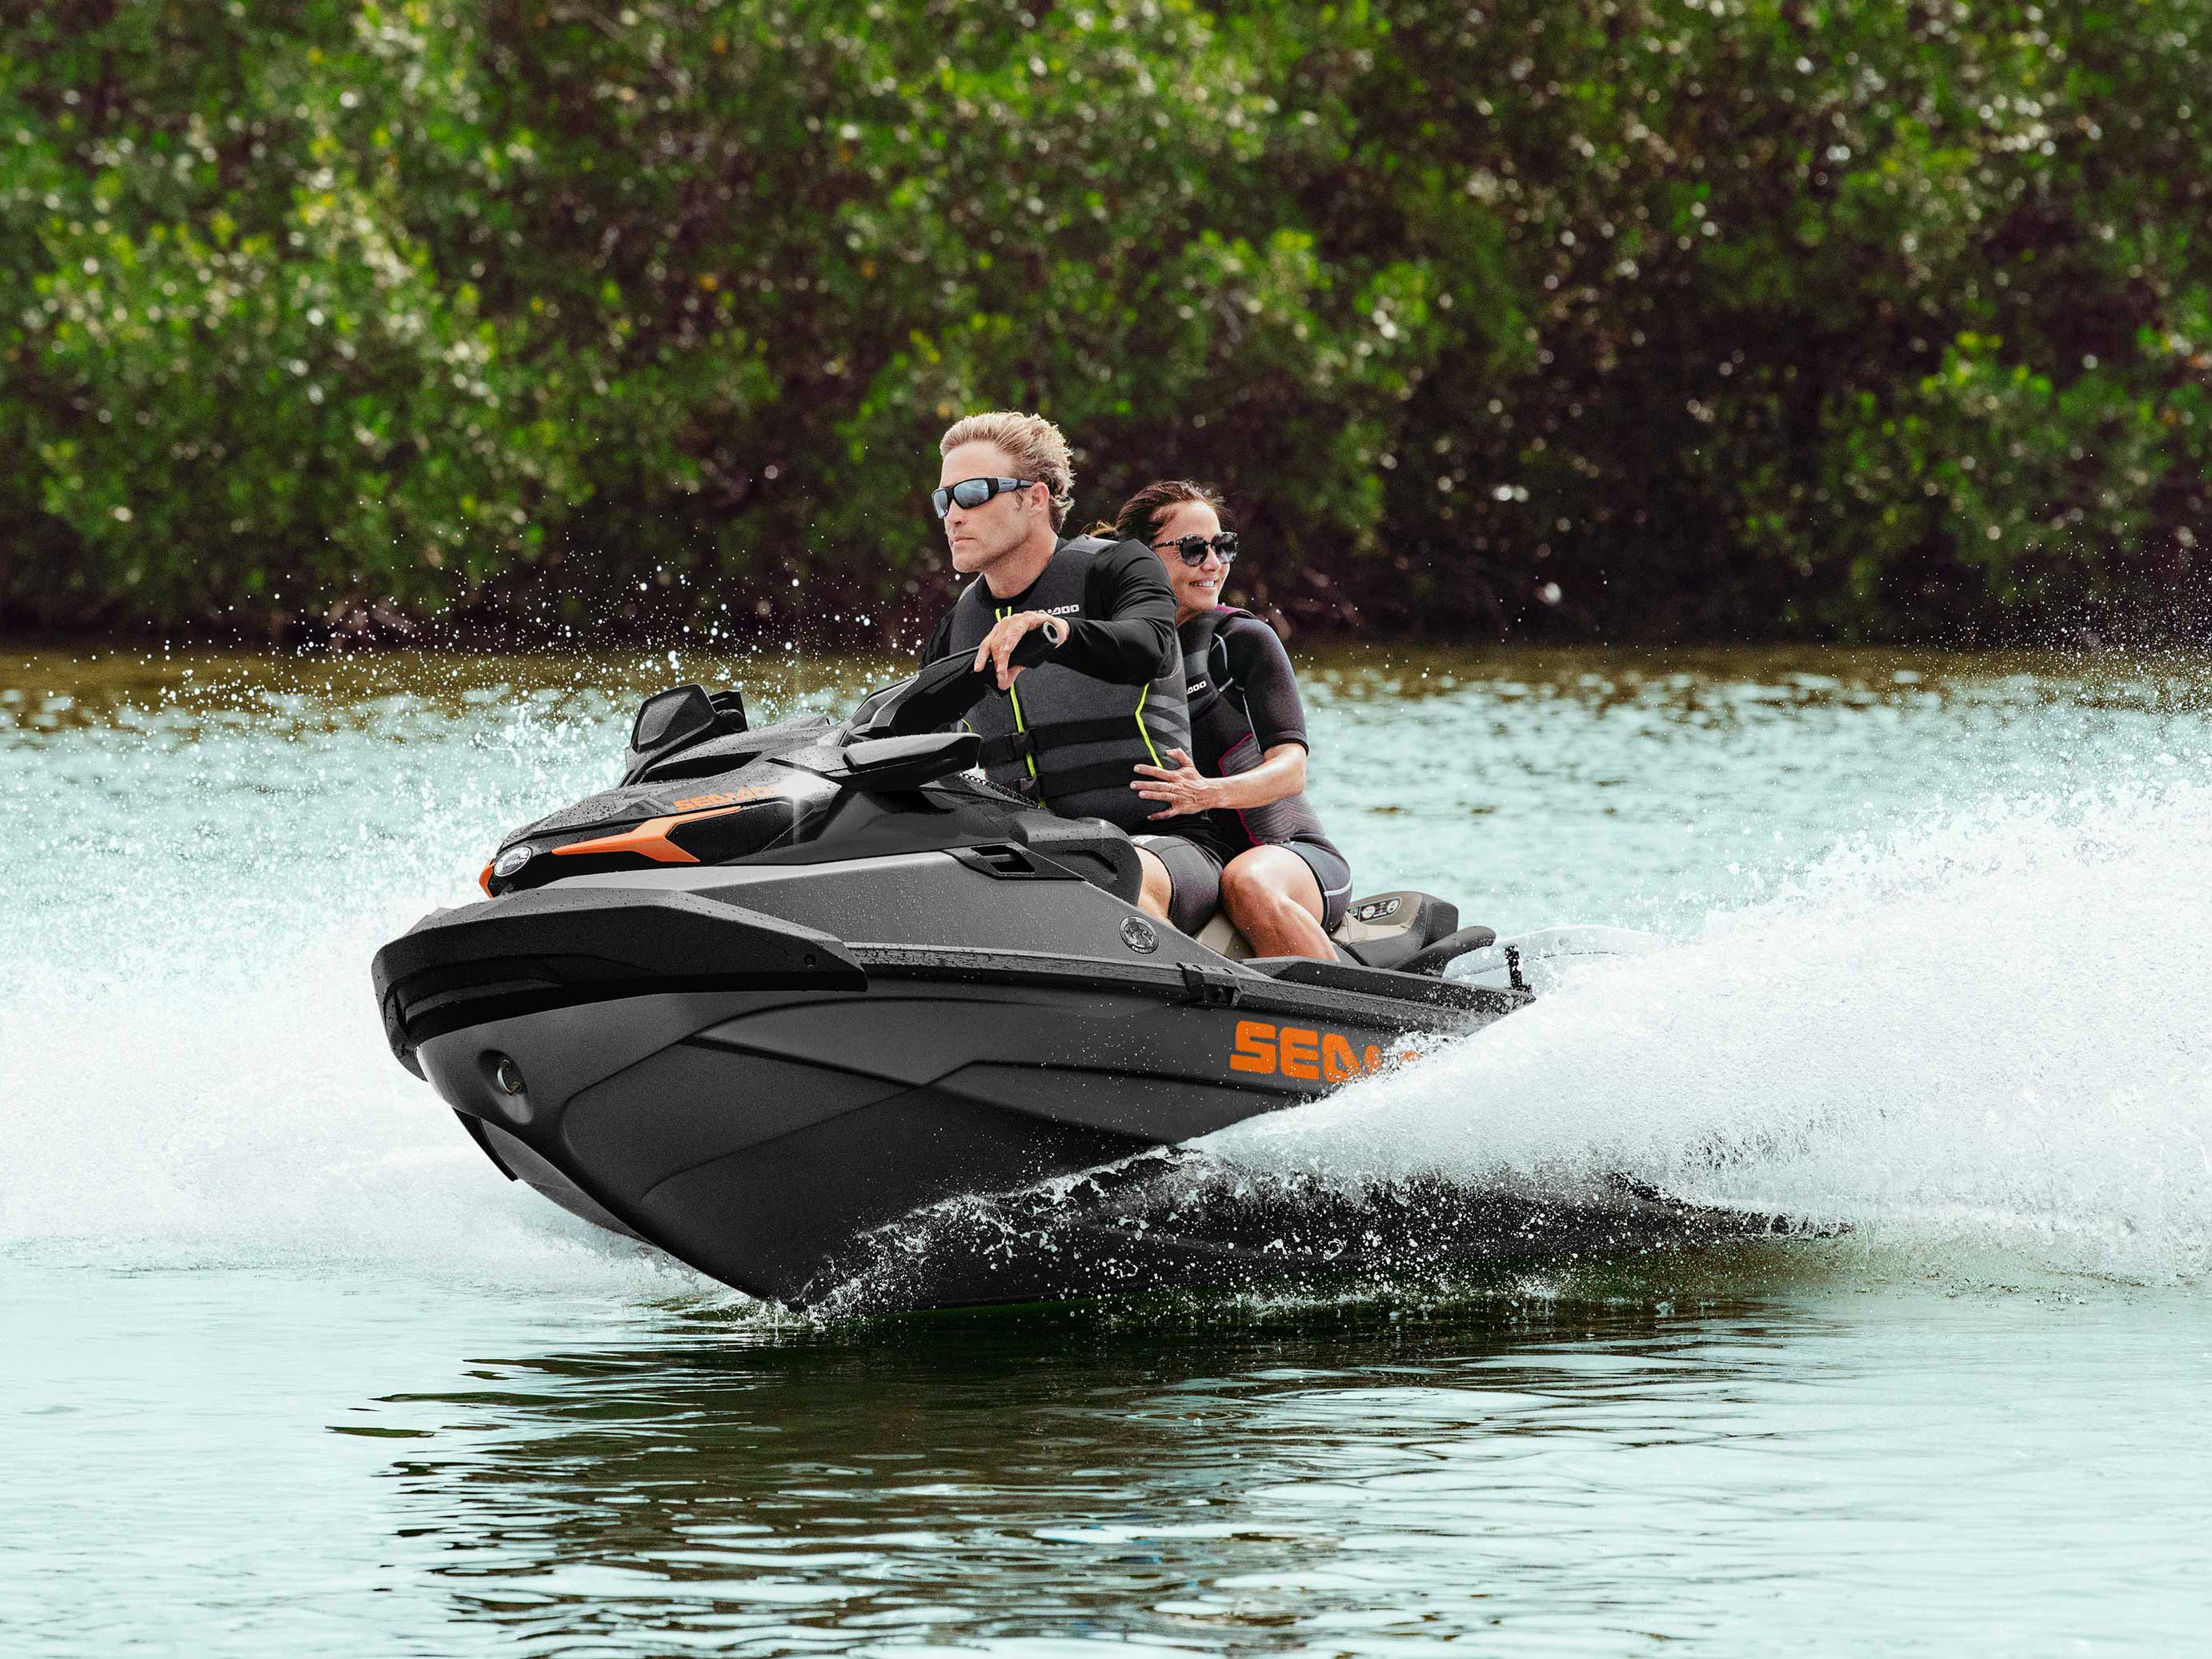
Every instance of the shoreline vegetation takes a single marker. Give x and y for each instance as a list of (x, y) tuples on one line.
[(531, 323), (37, 664)]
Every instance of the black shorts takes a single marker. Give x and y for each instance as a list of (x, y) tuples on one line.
[(1194, 879), (1333, 872)]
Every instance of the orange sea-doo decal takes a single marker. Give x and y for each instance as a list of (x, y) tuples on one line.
[(1302, 1052)]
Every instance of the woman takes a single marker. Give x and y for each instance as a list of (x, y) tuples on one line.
[(1283, 881)]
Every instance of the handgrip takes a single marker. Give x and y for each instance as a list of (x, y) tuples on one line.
[(947, 689)]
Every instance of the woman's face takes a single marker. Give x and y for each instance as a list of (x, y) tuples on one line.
[(1195, 588)]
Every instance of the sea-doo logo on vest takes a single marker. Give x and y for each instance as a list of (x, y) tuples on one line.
[(1060, 611), (1137, 933)]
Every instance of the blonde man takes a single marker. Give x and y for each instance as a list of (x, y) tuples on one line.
[(1070, 735)]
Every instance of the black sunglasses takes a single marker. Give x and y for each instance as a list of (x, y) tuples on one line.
[(1194, 548), (973, 492)]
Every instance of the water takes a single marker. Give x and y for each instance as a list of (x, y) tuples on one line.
[(290, 1367)]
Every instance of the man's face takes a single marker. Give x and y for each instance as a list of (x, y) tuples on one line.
[(981, 536)]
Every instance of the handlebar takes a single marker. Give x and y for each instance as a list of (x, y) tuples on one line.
[(937, 696)]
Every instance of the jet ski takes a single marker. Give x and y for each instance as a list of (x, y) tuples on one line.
[(782, 989)]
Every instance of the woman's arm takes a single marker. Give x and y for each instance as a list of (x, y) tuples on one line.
[(1260, 668), (1280, 774)]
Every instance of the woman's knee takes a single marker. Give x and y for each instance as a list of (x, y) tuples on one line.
[(1258, 880)]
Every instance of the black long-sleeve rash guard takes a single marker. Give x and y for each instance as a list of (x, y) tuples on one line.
[(1129, 631)]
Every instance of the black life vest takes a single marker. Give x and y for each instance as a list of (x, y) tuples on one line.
[(1225, 742), (1063, 740), (1218, 718)]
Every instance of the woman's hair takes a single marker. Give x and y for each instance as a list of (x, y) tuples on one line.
[(1032, 443), (1141, 515)]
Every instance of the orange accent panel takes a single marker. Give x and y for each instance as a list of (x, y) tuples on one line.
[(649, 839), (483, 879)]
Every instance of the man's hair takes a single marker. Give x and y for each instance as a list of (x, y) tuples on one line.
[(1142, 515), (1032, 443)]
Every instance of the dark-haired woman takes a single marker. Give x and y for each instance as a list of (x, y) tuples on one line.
[(1283, 881)]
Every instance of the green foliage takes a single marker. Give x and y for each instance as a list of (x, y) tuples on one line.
[(1632, 317)]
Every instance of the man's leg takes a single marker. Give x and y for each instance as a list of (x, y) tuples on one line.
[(1152, 898), (1182, 880), (1275, 900)]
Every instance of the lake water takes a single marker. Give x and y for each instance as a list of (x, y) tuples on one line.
[(288, 1367)]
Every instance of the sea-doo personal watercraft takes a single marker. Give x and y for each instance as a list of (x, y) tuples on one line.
[(783, 988)]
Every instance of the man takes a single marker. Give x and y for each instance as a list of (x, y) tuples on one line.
[(1069, 732)]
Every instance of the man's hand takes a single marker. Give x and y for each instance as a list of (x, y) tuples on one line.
[(998, 646), (1186, 789)]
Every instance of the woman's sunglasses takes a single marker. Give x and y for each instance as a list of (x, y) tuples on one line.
[(1194, 548), (973, 492)]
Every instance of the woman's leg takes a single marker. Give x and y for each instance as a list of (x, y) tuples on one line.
[(1275, 901)]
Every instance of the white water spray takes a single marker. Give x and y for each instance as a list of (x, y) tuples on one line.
[(192, 1070), (1990, 1028)]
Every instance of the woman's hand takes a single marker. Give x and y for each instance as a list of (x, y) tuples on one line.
[(998, 644), (1185, 789)]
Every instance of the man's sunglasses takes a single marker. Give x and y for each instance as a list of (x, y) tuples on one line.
[(974, 492), (1194, 548)]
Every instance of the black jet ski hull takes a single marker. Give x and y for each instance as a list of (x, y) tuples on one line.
[(754, 1096), (780, 997)]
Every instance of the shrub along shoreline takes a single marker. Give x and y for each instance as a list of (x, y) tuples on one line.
[(1615, 319)]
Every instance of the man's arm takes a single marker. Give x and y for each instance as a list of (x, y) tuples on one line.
[(1130, 635)]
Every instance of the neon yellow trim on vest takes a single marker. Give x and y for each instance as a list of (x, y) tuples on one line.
[(1015, 698), (1143, 734)]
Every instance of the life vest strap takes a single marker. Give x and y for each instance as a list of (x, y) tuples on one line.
[(1039, 740), (1011, 750), (1081, 779)]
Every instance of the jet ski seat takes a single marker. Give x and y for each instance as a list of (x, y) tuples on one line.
[(1408, 931), (1383, 931)]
